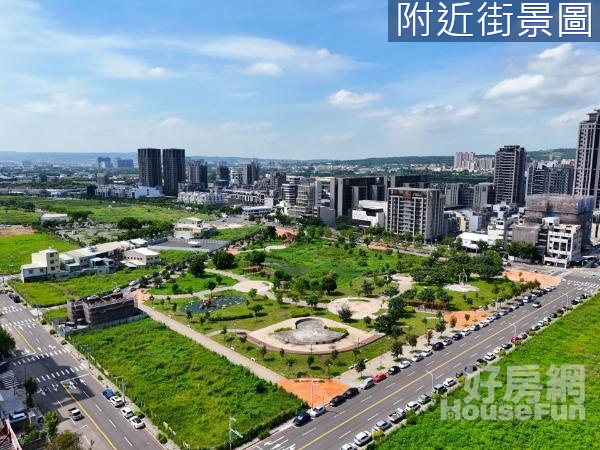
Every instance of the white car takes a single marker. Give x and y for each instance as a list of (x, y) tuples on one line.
[(497, 350), (484, 323), (417, 357), (317, 411), (136, 422), (116, 401), (404, 364), (489, 357), (362, 438), (348, 447), (449, 382), (127, 413), (413, 405), (427, 352), (536, 304), (466, 332)]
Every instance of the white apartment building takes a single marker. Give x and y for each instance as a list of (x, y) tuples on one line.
[(416, 211), (564, 243), (141, 257), (192, 228), (202, 198)]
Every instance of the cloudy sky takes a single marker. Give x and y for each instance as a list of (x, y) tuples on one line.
[(274, 79)]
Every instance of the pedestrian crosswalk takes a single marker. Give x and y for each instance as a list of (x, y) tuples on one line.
[(8, 380), (21, 324), (69, 372), (37, 356), (10, 309)]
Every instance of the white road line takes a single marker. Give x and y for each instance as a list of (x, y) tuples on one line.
[(373, 416), (365, 399), (112, 423), (390, 385), (396, 402), (97, 407), (345, 434), (420, 387), (303, 434), (125, 437)]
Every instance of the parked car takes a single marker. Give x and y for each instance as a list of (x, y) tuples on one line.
[(439, 388), (382, 425), (362, 438), (426, 352), (348, 447), (437, 346), (466, 332), (136, 422), (413, 405), (536, 304), (367, 383), (404, 364), (75, 414), (480, 362), (126, 412), (301, 419), (393, 370), (337, 400), (108, 393), (350, 392), (4, 365), (424, 399), (116, 401), (457, 336), (395, 417), (489, 356), (447, 342), (449, 382), (317, 411), (417, 357), (475, 327), (17, 416), (506, 345)]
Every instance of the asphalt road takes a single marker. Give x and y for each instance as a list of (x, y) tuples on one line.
[(64, 382), (339, 425)]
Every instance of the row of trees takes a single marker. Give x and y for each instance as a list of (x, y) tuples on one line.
[(457, 265)]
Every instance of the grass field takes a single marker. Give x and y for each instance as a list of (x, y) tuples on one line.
[(234, 234), (55, 313), (571, 340), (188, 280), (107, 211), (52, 293), (17, 250), (195, 391), (484, 296), (18, 216), (314, 259)]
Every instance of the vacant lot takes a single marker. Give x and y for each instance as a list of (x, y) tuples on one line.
[(236, 234), (52, 293), (189, 281), (107, 211), (571, 340), (195, 391), (18, 216), (17, 250)]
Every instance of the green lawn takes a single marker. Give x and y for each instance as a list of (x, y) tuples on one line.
[(190, 281), (16, 250), (18, 216), (484, 296), (52, 293), (571, 340), (195, 391), (312, 260), (235, 234), (55, 313), (104, 211)]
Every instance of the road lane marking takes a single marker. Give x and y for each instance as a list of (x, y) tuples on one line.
[(113, 424), (304, 434), (389, 385), (82, 409), (365, 399), (128, 440), (491, 336), (345, 434), (97, 407), (373, 416)]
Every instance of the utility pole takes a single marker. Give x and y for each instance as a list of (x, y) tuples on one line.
[(232, 431)]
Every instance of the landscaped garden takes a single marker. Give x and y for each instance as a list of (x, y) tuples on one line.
[(573, 339), (52, 293), (16, 250), (193, 390), (188, 283), (236, 234)]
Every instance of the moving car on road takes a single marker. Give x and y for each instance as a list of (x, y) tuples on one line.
[(75, 414)]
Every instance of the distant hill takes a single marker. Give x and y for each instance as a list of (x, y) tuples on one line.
[(555, 153)]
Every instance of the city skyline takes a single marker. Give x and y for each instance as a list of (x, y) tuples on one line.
[(275, 80)]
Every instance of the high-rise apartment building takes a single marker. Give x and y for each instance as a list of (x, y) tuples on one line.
[(464, 160), (416, 211), (509, 174), (124, 163), (222, 173), (149, 167), (250, 173), (173, 169), (197, 174), (549, 177), (104, 163), (587, 163)]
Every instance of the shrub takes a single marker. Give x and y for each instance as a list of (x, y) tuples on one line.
[(52, 331), (162, 438), (139, 413)]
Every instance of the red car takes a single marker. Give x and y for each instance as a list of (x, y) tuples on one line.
[(379, 377)]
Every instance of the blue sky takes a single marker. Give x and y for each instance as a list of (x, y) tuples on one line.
[(274, 79)]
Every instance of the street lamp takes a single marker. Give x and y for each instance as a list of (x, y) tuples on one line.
[(431, 374), (232, 431)]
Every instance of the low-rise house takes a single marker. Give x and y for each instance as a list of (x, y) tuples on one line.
[(140, 257), (192, 228), (53, 218)]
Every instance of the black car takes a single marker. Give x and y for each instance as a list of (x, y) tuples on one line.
[(574, 302), (301, 419), (476, 327), (351, 392), (506, 346), (457, 375), (457, 336), (337, 400), (481, 362), (437, 346), (554, 315), (393, 370)]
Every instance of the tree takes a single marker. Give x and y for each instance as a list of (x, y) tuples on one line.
[(328, 363), (252, 293), (188, 314), (263, 351), (390, 291), (312, 301), (174, 307), (341, 222), (384, 323), (223, 260), (440, 326), (467, 317), (310, 359), (360, 366), (197, 264), (426, 295), (256, 309), (329, 284), (175, 288), (301, 285), (367, 287), (429, 336), (210, 285), (396, 349), (7, 342), (482, 246), (345, 313), (412, 340), (279, 296), (255, 258), (51, 421), (31, 388), (281, 353), (66, 440), (129, 223)]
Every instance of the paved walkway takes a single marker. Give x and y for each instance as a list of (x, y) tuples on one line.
[(234, 357)]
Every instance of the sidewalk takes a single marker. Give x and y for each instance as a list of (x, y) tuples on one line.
[(234, 357)]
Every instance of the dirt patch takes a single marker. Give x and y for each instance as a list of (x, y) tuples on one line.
[(15, 231), (461, 322), (313, 391), (545, 280)]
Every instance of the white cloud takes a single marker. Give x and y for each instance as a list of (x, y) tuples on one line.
[(172, 122), (572, 117), (263, 68), (63, 104), (113, 65), (377, 113), (513, 87), (352, 100), (433, 117)]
